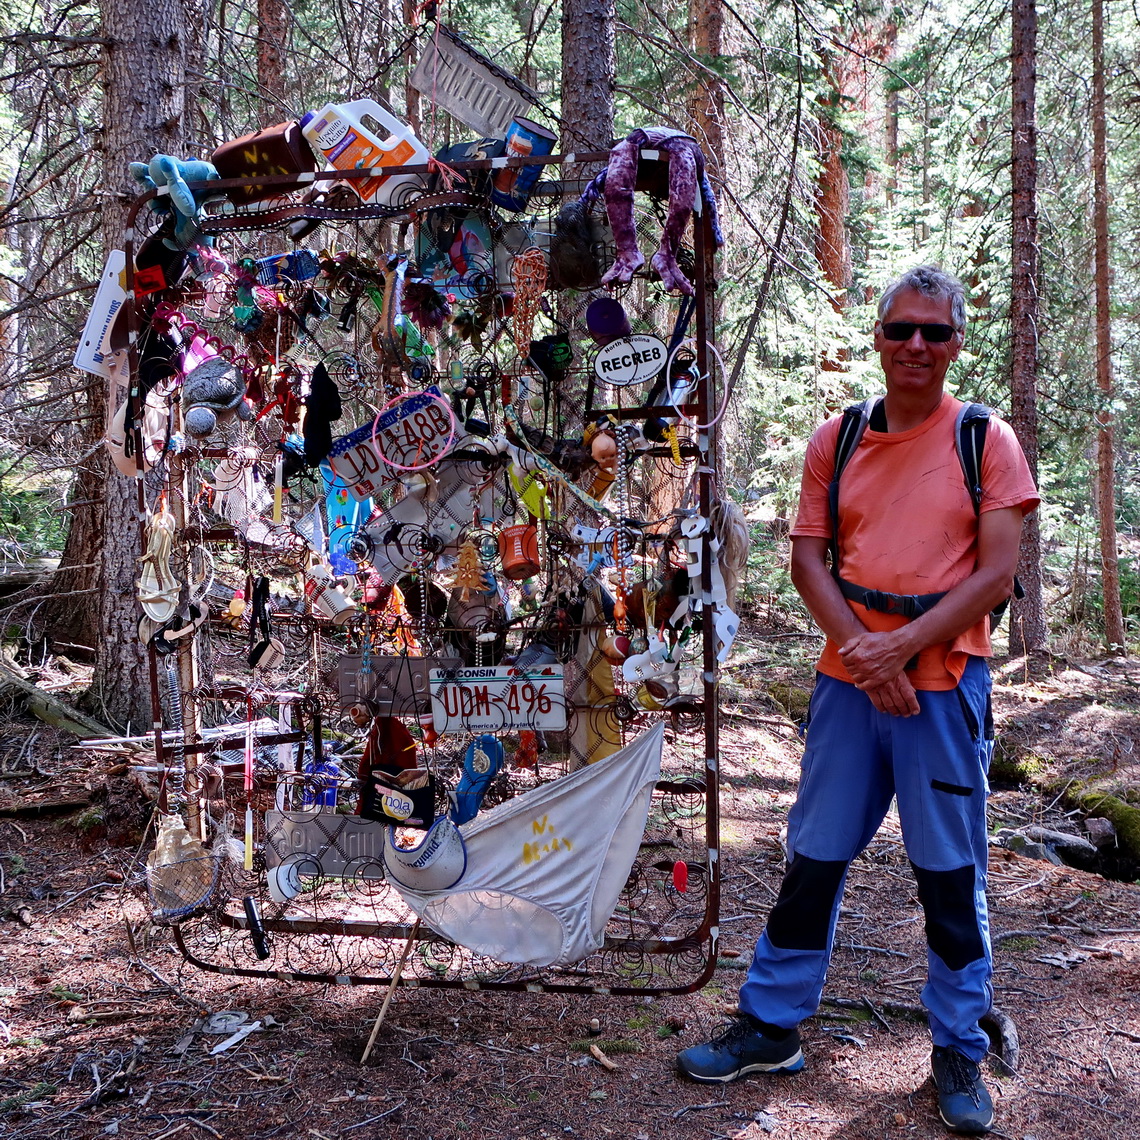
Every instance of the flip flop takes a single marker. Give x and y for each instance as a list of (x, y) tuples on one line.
[(170, 635), (481, 764), (158, 589)]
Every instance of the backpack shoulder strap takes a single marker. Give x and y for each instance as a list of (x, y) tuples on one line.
[(970, 441), (855, 420)]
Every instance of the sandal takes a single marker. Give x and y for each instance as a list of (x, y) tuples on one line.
[(169, 634), (481, 764), (158, 590)]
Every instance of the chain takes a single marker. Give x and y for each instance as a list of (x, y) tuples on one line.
[(528, 272), (622, 532)]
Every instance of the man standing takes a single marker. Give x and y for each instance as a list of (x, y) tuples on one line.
[(902, 701)]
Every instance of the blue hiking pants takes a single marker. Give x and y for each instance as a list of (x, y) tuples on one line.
[(857, 759)]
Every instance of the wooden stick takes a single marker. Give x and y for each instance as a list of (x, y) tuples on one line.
[(391, 990)]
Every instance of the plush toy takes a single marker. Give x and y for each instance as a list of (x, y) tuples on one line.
[(687, 178), (165, 171), (214, 390)]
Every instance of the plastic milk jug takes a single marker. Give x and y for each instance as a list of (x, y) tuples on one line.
[(361, 134)]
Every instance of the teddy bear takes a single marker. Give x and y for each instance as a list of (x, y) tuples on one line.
[(173, 174), (213, 390)]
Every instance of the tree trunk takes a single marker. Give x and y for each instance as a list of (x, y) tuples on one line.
[(706, 31), (1105, 445), (832, 201), (411, 95), (144, 93), (891, 125), (1027, 625), (271, 35), (588, 75)]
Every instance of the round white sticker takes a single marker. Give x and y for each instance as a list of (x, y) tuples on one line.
[(396, 806), (630, 359)]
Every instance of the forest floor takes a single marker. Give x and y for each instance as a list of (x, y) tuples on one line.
[(101, 1034)]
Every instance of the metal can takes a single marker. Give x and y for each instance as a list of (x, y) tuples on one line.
[(512, 185)]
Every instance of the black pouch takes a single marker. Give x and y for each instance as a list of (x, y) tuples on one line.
[(393, 804), (478, 181)]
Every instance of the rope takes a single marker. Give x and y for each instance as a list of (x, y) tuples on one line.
[(528, 272)]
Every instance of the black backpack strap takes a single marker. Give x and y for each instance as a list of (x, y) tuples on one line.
[(970, 440), (855, 420)]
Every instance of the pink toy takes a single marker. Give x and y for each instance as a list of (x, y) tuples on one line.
[(687, 179)]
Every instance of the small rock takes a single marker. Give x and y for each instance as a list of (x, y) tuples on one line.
[(1061, 840), (1019, 843), (1101, 832), (900, 1119), (766, 1121)]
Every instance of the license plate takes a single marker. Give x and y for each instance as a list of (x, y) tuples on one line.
[(498, 699), (416, 431)]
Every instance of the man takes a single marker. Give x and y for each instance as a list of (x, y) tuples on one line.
[(901, 707)]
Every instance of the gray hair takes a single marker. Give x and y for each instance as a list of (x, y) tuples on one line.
[(931, 281)]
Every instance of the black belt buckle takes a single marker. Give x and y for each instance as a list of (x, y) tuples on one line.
[(879, 601), (886, 603)]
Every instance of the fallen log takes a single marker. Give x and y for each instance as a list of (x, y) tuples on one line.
[(50, 709), (41, 809)]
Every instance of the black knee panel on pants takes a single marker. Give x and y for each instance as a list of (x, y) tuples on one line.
[(802, 914), (952, 931)]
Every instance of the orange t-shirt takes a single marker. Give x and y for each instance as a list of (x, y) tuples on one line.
[(907, 524)]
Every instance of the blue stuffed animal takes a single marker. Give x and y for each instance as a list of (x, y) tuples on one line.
[(165, 171)]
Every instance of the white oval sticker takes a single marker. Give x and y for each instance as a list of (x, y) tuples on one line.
[(630, 359), (396, 806)]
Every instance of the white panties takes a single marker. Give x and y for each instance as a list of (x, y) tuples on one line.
[(545, 869)]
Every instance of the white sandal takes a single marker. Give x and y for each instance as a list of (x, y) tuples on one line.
[(158, 590)]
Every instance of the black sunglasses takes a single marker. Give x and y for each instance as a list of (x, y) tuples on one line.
[(904, 330)]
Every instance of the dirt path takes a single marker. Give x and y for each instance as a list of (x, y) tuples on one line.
[(96, 1035)]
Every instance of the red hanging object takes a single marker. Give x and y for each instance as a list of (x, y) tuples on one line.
[(681, 876), (526, 756)]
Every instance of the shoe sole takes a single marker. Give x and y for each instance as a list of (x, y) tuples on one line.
[(791, 1065), (969, 1130)]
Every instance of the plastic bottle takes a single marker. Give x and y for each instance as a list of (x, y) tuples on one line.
[(360, 135)]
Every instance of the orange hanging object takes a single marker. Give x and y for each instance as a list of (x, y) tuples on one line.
[(529, 275), (518, 548), (469, 571), (526, 755), (619, 612)]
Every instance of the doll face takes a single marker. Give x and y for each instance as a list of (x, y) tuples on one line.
[(603, 449)]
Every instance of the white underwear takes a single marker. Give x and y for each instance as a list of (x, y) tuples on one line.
[(545, 869)]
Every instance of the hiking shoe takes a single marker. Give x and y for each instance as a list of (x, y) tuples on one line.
[(738, 1049), (963, 1102)]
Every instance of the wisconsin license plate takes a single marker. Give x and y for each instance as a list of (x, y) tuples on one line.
[(498, 699)]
